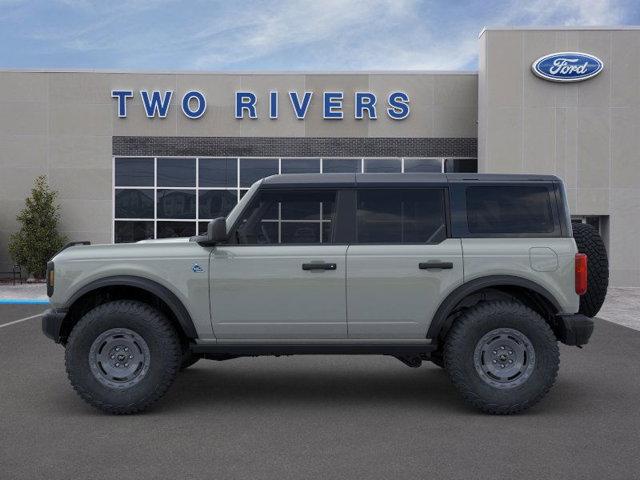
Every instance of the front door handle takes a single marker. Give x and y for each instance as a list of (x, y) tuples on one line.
[(435, 265), (319, 266)]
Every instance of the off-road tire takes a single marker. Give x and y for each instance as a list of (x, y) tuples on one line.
[(589, 242), (164, 356), (467, 332)]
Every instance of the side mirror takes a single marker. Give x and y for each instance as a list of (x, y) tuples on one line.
[(217, 230), (216, 233)]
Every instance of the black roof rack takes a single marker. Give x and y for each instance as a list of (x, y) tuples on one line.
[(324, 180)]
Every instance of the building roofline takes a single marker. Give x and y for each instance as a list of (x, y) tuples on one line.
[(237, 72), (561, 27)]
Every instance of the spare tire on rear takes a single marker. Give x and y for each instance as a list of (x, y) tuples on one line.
[(590, 243)]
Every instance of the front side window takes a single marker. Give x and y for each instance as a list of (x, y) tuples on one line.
[(401, 216), (513, 209), (288, 217)]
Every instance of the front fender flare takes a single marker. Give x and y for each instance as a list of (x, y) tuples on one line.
[(163, 293)]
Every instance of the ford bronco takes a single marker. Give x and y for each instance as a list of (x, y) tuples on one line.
[(480, 274)]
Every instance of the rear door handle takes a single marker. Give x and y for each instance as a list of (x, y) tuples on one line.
[(435, 265), (319, 266)]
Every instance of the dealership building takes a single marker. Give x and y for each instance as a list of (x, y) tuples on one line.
[(152, 155)]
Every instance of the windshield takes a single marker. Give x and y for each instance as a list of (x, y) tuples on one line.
[(233, 215)]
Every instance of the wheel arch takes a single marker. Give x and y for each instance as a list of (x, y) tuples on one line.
[(527, 291), (127, 287)]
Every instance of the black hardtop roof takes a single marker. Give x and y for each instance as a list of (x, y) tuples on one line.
[(324, 180)]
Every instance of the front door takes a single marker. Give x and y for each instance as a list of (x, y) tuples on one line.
[(281, 276), (401, 265)]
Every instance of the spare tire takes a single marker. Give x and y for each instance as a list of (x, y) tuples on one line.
[(590, 243)]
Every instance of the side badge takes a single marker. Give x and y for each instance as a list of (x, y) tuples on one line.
[(197, 268)]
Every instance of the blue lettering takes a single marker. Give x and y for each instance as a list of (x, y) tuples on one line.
[(246, 101), (365, 101), (200, 100), (273, 105), (299, 108), (156, 105), (398, 105), (122, 96), (332, 105)]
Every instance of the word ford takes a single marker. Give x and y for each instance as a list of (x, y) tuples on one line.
[(561, 66)]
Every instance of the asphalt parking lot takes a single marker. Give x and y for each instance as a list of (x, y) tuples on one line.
[(318, 417)]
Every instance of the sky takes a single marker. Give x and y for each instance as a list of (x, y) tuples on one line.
[(280, 35)]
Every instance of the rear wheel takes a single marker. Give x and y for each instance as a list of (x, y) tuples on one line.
[(589, 242), (502, 357), (122, 356)]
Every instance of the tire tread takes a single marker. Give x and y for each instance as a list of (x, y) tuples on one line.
[(589, 242)]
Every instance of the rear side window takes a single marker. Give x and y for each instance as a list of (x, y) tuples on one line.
[(401, 216), (509, 210)]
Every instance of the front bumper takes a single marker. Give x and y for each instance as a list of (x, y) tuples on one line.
[(574, 329), (52, 323)]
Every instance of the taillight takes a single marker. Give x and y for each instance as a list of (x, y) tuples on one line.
[(581, 273)]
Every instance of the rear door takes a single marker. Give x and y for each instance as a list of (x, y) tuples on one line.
[(402, 262)]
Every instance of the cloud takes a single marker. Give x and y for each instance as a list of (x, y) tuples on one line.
[(569, 12), (384, 35), (283, 34)]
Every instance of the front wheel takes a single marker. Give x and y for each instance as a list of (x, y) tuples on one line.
[(122, 356), (502, 356)]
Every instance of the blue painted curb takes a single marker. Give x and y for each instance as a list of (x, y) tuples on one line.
[(23, 301)]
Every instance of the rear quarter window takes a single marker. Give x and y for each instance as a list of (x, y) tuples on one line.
[(512, 209)]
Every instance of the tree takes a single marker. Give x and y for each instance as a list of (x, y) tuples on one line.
[(38, 239)]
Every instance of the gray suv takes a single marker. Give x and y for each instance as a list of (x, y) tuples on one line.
[(479, 274)]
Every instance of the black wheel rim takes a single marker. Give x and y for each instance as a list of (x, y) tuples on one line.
[(504, 358), (119, 358)]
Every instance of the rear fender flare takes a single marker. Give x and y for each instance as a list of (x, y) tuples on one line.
[(439, 321)]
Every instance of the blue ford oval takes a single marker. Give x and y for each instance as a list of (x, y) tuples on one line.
[(567, 66)]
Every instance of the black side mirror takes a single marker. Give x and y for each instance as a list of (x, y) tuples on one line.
[(217, 230), (216, 233)]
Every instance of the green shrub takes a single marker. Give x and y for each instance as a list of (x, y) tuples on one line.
[(38, 239)]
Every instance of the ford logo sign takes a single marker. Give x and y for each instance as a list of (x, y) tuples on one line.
[(567, 66)]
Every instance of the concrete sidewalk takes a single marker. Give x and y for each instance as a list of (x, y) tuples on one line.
[(622, 306), (24, 293)]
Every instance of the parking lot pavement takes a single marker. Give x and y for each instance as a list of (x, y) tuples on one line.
[(318, 417)]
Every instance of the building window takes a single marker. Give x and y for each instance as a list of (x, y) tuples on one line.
[(422, 165), (177, 196), (341, 165), (382, 165), (461, 165)]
